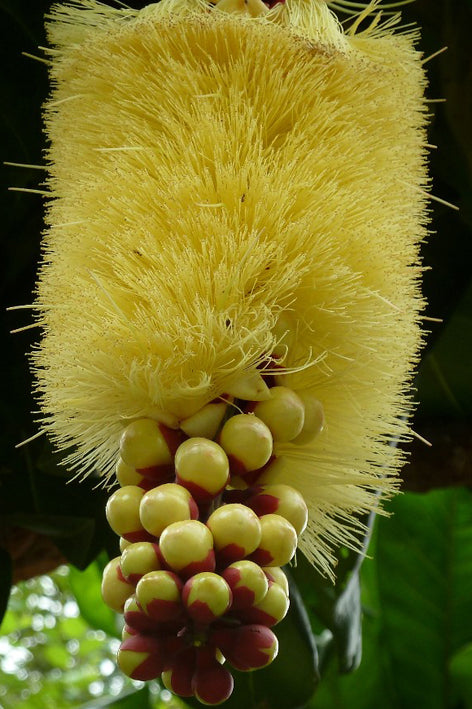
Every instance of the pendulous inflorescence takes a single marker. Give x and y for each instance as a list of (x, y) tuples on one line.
[(229, 300)]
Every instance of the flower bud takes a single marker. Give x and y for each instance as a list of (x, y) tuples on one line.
[(205, 422), (271, 610), (277, 575), (159, 595), (282, 500), (212, 684), (164, 505), (178, 678), (314, 418), (137, 620), (278, 542), (236, 531), (248, 583), (283, 413), (187, 547), (115, 589), (202, 467), (139, 559), (143, 444), (141, 657), (248, 443), (247, 647), (206, 597), (122, 511)]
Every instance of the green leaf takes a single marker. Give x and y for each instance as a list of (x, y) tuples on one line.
[(417, 609), (336, 606), (460, 670), (5, 581), (139, 699), (86, 585), (424, 563)]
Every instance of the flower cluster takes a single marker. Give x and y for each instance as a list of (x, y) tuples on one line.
[(199, 580)]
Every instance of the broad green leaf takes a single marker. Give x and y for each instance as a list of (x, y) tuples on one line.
[(139, 699), (86, 587), (336, 606), (417, 609), (460, 670)]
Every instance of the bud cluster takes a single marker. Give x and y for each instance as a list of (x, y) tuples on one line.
[(199, 579)]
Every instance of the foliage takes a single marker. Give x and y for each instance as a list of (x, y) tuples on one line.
[(411, 596)]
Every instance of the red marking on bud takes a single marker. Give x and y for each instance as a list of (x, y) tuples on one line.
[(194, 510), (236, 466), (119, 574), (153, 665), (248, 646), (198, 493), (163, 610), (181, 673), (257, 616), (262, 557), (263, 504), (196, 567), (173, 437), (140, 622), (213, 685), (200, 612), (140, 535), (231, 552), (243, 597), (157, 474)]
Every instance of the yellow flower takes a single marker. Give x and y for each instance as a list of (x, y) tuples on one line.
[(226, 180)]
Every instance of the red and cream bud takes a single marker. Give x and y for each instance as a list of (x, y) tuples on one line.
[(128, 632), (314, 418), (141, 657), (277, 575), (115, 589), (248, 443), (122, 511), (278, 542), (283, 413), (248, 583), (236, 531), (139, 559), (247, 647), (144, 445), (205, 422), (282, 500), (178, 678), (159, 595), (127, 475), (212, 684), (271, 610), (137, 620), (206, 596), (164, 505), (124, 544), (202, 467), (187, 547)]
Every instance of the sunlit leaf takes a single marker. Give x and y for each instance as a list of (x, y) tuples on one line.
[(86, 587)]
